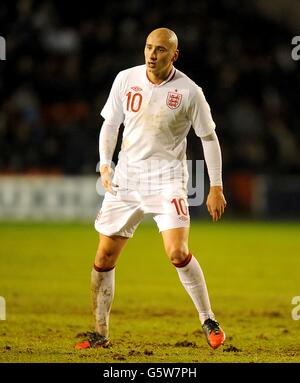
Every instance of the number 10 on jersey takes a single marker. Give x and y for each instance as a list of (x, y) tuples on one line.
[(134, 103)]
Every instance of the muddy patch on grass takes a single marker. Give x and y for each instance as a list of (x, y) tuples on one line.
[(85, 356), (134, 353), (262, 336), (185, 343), (197, 332), (118, 357), (231, 348), (267, 314), (273, 314), (81, 335), (152, 313), (25, 351)]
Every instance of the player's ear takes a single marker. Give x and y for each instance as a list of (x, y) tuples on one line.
[(175, 56)]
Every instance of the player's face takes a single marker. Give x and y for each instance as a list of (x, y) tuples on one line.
[(159, 54)]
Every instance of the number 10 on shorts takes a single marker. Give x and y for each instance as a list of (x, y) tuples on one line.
[(180, 206)]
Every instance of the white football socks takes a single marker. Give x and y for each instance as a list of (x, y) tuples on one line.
[(103, 288), (192, 278)]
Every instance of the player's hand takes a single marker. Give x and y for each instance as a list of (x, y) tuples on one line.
[(106, 173), (216, 202)]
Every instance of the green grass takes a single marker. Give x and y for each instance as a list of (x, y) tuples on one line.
[(252, 272)]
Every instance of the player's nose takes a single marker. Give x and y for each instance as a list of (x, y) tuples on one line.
[(153, 55)]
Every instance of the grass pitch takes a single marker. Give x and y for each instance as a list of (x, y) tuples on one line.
[(251, 269)]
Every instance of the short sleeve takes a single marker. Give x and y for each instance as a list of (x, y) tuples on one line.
[(113, 108), (200, 115)]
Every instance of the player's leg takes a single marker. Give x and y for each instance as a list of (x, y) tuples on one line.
[(108, 251), (188, 269), (103, 279), (102, 289), (192, 278), (116, 222)]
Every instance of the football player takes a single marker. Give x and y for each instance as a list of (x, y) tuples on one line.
[(157, 104)]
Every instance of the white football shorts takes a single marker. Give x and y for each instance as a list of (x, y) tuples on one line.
[(121, 214)]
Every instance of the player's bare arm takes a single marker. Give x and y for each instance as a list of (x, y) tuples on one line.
[(107, 143), (216, 202), (106, 173)]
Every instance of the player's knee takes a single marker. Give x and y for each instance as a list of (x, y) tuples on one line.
[(106, 258), (177, 255), (107, 253)]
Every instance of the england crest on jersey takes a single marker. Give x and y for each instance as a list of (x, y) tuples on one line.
[(174, 100)]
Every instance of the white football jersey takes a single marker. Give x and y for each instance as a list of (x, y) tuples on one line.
[(156, 119)]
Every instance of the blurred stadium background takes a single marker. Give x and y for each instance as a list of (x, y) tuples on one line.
[(61, 59)]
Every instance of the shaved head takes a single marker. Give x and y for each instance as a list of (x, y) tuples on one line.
[(160, 53), (165, 35)]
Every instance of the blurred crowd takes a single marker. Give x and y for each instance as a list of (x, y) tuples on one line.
[(61, 59)]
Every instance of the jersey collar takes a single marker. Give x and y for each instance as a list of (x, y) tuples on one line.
[(169, 78)]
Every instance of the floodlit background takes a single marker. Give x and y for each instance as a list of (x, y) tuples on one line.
[(61, 59)]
